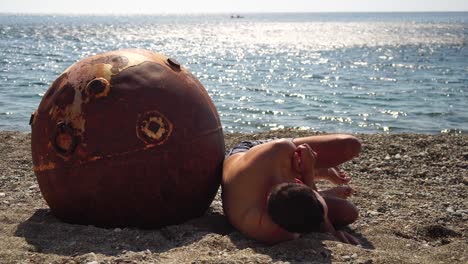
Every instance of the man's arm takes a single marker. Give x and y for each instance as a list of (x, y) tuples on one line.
[(304, 162), (332, 150)]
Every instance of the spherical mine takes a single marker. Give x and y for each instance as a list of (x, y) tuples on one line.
[(127, 138)]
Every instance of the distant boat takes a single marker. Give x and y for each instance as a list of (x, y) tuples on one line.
[(237, 16)]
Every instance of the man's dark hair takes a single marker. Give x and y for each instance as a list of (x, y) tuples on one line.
[(295, 208)]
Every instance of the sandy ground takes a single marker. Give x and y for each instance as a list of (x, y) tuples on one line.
[(412, 196)]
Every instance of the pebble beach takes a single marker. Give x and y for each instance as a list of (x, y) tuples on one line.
[(411, 193)]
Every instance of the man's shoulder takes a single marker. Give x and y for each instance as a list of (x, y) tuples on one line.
[(233, 164), (266, 159), (270, 151)]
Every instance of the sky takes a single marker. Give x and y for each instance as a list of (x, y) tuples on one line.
[(225, 6)]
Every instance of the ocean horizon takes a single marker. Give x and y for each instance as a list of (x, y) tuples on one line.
[(333, 72)]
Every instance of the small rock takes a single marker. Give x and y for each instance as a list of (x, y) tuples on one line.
[(465, 155), (387, 157), (2, 194), (117, 230), (89, 258), (397, 156), (354, 256), (450, 209), (346, 257), (382, 209), (458, 214)]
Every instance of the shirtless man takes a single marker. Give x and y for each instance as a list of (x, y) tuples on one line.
[(269, 191)]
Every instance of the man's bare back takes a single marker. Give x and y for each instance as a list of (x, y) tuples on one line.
[(248, 178)]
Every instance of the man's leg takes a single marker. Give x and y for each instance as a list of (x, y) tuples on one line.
[(332, 150)]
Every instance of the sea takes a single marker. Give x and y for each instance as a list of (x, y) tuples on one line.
[(332, 72)]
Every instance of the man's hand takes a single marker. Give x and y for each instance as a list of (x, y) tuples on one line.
[(304, 159), (336, 176), (340, 235)]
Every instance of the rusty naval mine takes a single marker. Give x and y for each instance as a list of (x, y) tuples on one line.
[(127, 138)]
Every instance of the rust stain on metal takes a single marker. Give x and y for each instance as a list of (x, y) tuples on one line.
[(45, 167), (117, 62)]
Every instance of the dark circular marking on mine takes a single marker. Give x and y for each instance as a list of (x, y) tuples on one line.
[(97, 86), (153, 128), (64, 140)]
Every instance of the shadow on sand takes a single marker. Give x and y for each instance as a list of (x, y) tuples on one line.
[(47, 235), (50, 235)]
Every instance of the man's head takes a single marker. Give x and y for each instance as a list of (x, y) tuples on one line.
[(296, 208)]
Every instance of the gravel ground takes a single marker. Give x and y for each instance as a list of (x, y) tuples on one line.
[(411, 192)]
